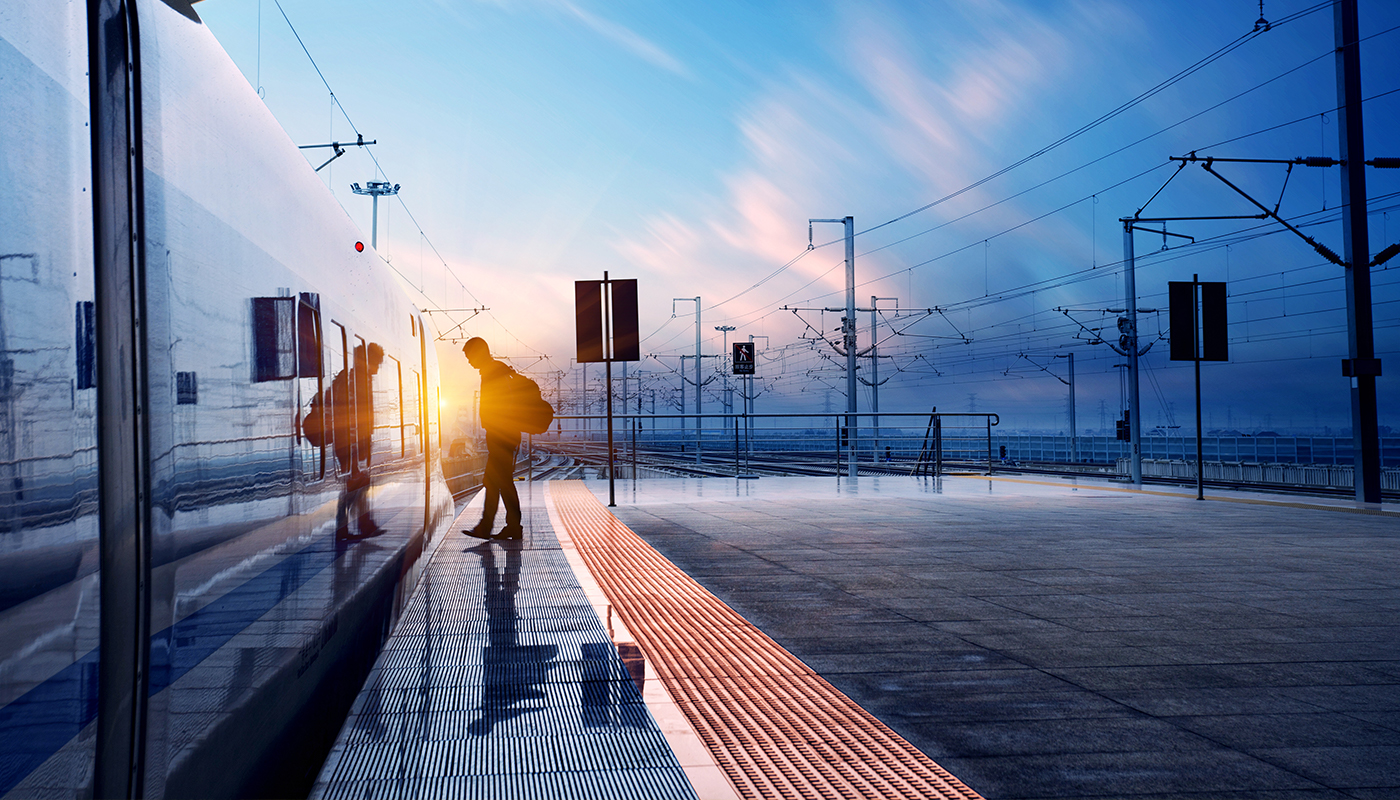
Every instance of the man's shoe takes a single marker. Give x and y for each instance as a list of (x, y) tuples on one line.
[(511, 532), (481, 531)]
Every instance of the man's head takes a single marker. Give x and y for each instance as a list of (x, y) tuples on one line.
[(376, 357), (476, 351), (370, 359)]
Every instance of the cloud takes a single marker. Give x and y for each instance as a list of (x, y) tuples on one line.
[(627, 38)]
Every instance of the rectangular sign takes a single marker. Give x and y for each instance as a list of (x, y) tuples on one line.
[(588, 320), (1214, 333), (589, 328), (743, 358), (626, 345)]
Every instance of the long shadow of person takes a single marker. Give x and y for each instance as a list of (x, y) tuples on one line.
[(511, 673)]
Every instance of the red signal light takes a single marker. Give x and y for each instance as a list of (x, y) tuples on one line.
[(359, 247)]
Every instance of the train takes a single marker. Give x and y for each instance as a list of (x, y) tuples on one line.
[(200, 554)]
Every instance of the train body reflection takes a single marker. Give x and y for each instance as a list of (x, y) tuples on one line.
[(178, 614)]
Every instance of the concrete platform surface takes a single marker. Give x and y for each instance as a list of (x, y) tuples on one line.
[(1046, 638)]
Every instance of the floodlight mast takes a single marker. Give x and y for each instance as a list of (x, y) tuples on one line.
[(375, 189)]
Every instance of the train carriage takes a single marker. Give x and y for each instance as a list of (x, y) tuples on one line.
[(192, 588)]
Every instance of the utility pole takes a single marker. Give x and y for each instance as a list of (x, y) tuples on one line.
[(375, 189), (875, 367), (848, 330), (1073, 432), (749, 398), (1129, 342), (724, 373), (675, 300), (1361, 366)]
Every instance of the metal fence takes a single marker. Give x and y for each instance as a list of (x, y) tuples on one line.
[(907, 439), (1322, 450)]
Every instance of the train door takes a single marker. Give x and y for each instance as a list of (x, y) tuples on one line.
[(388, 412), (336, 345), (311, 399), (421, 387), (359, 359)]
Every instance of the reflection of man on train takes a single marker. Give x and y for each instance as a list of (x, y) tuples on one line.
[(502, 441), (353, 407)]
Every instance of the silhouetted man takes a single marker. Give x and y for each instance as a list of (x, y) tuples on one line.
[(353, 406), (502, 440)]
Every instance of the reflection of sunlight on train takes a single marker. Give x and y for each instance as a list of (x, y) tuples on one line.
[(180, 613)]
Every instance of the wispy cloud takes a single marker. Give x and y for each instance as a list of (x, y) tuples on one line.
[(626, 38), (907, 120)]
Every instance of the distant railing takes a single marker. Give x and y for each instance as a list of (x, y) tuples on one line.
[(915, 442), (1056, 449)]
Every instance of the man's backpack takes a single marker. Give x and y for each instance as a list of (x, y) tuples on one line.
[(522, 405)]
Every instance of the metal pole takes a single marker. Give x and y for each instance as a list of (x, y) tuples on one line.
[(1362, 363), (838, 449), (736, 449), (1130, 299), (874, 378), (937, 445), (612, 498), (374, 225), (1200, 345), (697, 380), (608, 387), (989, 446), (728, 399), (850, 225), (1073, 431)]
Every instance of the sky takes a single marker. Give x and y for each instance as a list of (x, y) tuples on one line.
[(986, 150)]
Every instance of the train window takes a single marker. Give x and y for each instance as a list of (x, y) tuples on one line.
[(85, 337), (387, 416), (413, 413), (337, 355), (398, 375), (274, 338), (186, 389), (309, 336)]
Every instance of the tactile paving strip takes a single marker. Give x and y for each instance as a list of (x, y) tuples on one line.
[(775, 727)]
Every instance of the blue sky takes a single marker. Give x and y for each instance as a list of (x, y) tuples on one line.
[(686, 145)]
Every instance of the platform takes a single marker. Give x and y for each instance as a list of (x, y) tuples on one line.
[(499, 680), (824, 638), (1050, 638)]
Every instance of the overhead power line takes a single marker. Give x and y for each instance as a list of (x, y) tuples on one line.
[(402, 203)]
